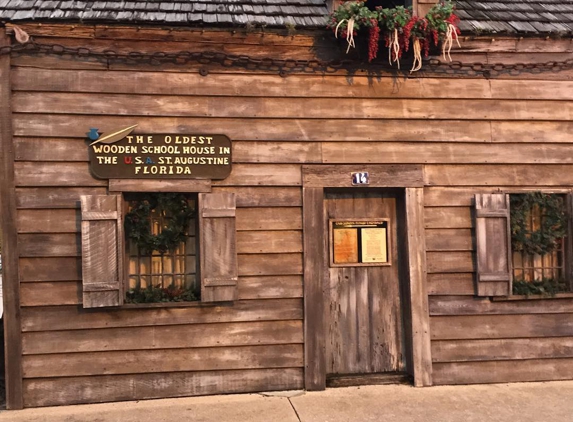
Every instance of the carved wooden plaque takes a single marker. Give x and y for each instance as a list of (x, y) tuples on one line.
[(158, 156)]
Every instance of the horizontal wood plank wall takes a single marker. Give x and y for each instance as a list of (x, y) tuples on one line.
[(472, 135), (475, 340)]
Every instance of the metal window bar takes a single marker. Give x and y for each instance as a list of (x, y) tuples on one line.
[(534, 267), (176, 269)]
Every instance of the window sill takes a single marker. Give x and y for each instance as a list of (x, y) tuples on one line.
[(197, 304), (532, 297)]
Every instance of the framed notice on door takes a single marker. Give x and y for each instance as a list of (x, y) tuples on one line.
[(359, 242)]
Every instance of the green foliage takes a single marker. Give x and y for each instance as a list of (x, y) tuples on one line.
[(356, 10), (176, 212), (544, 287), (158, 294), (398, 25), (552, 227), (395, 18), (439, 16)]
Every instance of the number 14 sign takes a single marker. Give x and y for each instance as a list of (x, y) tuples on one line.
[(361, 178)]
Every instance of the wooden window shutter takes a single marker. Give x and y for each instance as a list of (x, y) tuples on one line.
[(218, 251), (102, 248), (493, 241)]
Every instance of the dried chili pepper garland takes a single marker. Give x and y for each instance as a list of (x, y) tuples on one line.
[(400, 28)]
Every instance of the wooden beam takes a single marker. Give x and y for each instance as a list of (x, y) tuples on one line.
[(11, 284), (339, 176), (421, 350), (152, 185), (314, 318)]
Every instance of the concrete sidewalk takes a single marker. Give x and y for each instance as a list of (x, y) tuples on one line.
[(527, 402)]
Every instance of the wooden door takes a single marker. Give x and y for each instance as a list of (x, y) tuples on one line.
[(364, 314)]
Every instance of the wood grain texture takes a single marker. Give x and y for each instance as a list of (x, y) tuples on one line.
[(270, 264), (269, 287), (264, 196), (53, 198), (314, 294), (502, 349), (442, 196), (73, 318), (277, 152), (269, 241), (10, 288), (456, 305), (451, 284), (49, 221), (380, 176), (446, 152), (262, 175), (448, 218), (414, 203), (150, 185), (128, 46), (96, 389), (183, 34), (51, 293), (493, 244), (30, 79), (30, 174), (218, 240), (503, 371), (102, 245), (162, 360), (499, 175), (501, 326), (55, 293), (450, 262), (60, 126), (263, 219), (50, 269), (449, 240), (281, 107), (164, 337), (364, 310)]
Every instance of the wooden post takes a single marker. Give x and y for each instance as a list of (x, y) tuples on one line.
[(11, 283), (314, 319), (420, 318)]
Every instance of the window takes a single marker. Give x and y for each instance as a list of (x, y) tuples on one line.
[(538, 227), (153, 276), (112, 267), (522, 244)]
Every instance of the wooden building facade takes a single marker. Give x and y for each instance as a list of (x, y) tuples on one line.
[(496, 121)]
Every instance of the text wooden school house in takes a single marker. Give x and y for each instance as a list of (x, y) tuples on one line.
[(202, 197)]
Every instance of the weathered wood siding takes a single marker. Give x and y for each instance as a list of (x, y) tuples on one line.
[(472, 135)]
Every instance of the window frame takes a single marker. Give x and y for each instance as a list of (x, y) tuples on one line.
[(126, 246), (217, 209), (568, 244)]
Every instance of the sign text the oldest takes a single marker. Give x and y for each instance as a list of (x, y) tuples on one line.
[(163, 156)]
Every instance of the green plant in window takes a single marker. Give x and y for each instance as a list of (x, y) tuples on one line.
[(177, 215), (158, 294), (541, 238), (544, 287)]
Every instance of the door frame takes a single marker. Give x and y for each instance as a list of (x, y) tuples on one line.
[(315, 178)]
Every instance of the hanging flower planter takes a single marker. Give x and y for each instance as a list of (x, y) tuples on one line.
[(400, 29)]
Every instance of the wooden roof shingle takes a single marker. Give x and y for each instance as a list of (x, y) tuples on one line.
[(307, 13), (516, 16), (477, 16)]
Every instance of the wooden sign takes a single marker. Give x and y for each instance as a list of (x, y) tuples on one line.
[(359, 242), (159, 156)]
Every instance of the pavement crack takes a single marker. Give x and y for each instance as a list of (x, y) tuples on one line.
[(294, 409)]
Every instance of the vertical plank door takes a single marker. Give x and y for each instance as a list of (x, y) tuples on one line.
[(364, 317)]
